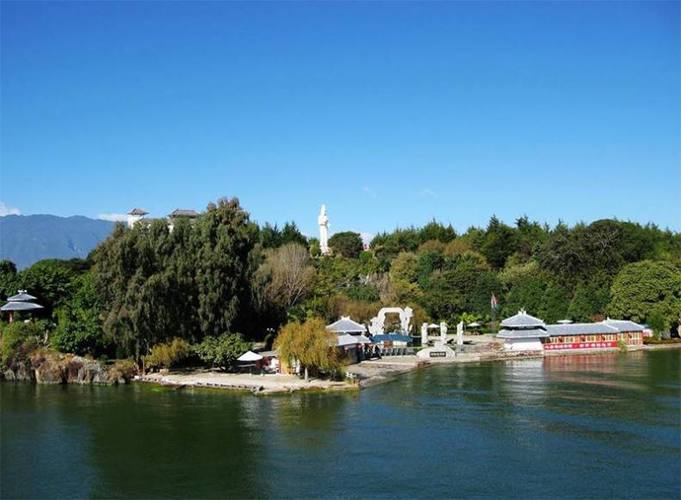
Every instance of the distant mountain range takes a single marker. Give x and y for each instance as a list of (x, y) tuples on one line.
[(26, 239)]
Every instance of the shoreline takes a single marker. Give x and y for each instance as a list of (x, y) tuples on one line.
[(362, 375)]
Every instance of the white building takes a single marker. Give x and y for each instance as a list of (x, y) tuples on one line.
[(523, 332)]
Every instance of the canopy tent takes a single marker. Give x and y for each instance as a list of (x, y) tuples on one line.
[(249, 356), (475, 324), (346, 325)]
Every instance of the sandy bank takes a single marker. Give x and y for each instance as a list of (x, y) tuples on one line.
[(258, 384)]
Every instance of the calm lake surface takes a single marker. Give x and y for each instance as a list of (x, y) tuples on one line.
[(577, 426)]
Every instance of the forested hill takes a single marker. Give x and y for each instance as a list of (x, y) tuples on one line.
[(26, 239)]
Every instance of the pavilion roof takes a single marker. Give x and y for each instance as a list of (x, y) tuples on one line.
[(346, 325), (181, 212), (20, 306), (523, 320), (22, 296), (138, 211)]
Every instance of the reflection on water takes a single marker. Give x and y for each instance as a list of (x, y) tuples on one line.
[(597, 425)]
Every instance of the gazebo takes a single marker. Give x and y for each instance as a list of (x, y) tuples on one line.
[(345, 325), (22, 301)]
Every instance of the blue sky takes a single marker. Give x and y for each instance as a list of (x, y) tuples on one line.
[(390, 113)]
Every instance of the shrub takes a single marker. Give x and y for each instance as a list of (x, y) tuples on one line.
[(169, 354), (18, 340), (622, 345), (123, 369), (222, 351)]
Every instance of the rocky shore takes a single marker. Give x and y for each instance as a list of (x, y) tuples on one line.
[(47, 367)]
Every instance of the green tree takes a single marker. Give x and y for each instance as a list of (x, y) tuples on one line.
[(222, 351), (499, 243), (79, 327), (347, 244), (643, 287)]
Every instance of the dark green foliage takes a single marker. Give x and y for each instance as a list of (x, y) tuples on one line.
[(8, 279), (273, 237), (499, 243), (194, 281), (50, 281), (79, 328), (346, 244), (222, 351)]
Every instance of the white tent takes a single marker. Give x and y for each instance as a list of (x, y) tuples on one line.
[(250, 356)]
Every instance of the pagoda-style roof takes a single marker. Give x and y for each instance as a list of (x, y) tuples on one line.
[(20, 306), (346, 325), (181, 212), (138, 211), (22, 296), (522, 320)]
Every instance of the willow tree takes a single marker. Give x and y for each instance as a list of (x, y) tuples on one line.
[(188, 282), (310, 344)]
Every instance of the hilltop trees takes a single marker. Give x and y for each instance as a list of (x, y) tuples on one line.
[(190, 282), (346, 244)]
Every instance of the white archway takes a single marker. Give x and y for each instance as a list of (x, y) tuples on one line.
[(378, 323)]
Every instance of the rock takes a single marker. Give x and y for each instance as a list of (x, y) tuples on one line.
[(9, 375), (48, 369)]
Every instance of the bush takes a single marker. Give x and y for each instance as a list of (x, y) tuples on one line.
[(222, 351), (124, 369), (18, 340), (169, 354), (622, 345)]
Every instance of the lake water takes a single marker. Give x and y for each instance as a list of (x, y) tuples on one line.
[(578, 426)]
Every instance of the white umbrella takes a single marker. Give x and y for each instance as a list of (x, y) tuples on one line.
[(249, 356)]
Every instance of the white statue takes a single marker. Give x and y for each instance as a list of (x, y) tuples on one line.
[(459, 333), (323, 221), (424, 334), (443, 333)]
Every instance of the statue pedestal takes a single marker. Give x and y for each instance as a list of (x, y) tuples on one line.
[(438, 352)]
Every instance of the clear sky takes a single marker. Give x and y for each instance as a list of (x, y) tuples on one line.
[(390, 113)]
